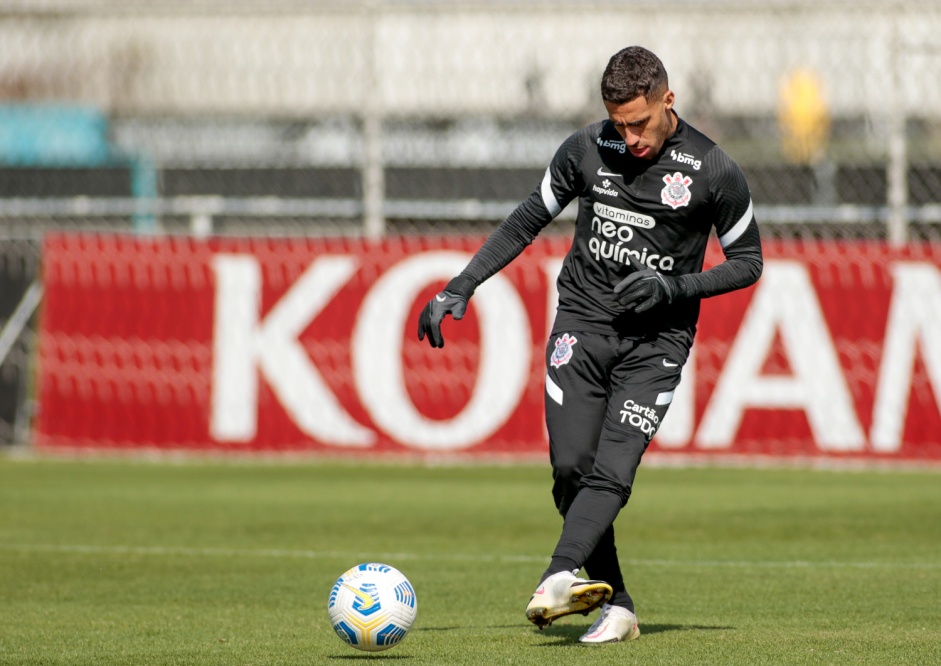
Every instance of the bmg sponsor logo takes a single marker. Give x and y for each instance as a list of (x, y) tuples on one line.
[(685, 158), (619, 146)]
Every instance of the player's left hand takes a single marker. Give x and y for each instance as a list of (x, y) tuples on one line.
[(645, 288), (429, 321)]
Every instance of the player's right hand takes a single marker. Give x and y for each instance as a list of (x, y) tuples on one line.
[(429, 321)]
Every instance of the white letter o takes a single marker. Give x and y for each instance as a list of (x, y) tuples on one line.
[(505, 354)]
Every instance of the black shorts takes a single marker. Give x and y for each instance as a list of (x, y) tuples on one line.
[(605, 398)]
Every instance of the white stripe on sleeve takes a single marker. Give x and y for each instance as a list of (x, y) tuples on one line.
[(736, 231), (548, 198)]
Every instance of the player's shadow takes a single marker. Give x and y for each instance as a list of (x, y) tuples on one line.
[(454, 628), (569, 634)]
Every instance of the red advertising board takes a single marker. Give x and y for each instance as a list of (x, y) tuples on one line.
[(309, 345)]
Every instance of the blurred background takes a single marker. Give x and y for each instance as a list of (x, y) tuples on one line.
[(391, 118)]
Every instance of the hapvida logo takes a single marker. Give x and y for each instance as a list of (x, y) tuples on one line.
[(605, 188)]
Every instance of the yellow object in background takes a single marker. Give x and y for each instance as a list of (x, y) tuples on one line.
[(804, 118)]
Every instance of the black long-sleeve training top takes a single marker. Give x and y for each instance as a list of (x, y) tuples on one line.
[(660, 211)]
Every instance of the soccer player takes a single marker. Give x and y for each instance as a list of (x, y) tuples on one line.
[(650, 189)]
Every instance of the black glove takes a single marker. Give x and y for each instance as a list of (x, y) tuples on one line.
[(452, 300), (645, 288)]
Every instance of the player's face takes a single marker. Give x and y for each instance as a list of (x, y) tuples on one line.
[(644, 123)]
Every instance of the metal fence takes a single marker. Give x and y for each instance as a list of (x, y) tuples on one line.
[(384, 117), (281, 117)]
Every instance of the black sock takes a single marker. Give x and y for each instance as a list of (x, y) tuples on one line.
[(590, 516), (603, 564), (559, 564)]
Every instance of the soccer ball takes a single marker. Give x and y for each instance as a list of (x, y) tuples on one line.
[(372, 606)]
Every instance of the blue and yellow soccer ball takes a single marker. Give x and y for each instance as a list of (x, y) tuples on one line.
[(372, 606)]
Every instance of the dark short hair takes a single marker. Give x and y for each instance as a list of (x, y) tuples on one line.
[(633, 72)]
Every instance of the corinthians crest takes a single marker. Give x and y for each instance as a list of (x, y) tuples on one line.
[(676, 193), (563, 350)]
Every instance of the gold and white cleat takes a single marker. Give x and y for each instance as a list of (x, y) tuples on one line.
[(564, 593)]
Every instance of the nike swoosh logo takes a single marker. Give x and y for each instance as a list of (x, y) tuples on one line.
[(439, 298), (667, 364), (365, 598), (602, 172)]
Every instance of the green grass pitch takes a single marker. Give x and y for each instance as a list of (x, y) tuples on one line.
[(208, 562)]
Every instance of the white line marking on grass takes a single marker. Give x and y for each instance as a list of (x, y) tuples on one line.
[(79, 549)]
